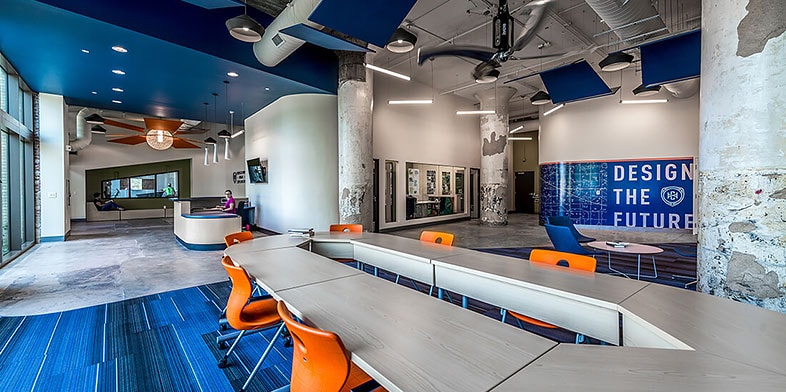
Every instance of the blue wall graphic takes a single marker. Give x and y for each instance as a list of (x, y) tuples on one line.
[(652, 194)]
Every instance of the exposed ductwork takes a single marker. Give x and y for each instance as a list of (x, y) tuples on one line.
[(274, 46), (629, 19), (83, 134)]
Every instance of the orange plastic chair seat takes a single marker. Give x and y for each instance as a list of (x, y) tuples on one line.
[(437, 237), (531, 320), (347, 228), (258, 314), (231, 239)]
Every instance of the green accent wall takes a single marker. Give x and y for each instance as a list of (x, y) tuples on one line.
[(94, 177)]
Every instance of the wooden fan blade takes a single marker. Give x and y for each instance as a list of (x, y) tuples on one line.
[(180, 143), (164, 125), (123, 125), (129, 140)]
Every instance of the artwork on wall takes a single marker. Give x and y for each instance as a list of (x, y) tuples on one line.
[(239, 177), (446, 183), (413, 181), (656, 193), (431, 182)]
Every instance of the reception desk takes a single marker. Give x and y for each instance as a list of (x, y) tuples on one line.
[(670, 339), (203, 230)]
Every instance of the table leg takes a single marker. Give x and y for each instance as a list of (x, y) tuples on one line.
[(614, 270)]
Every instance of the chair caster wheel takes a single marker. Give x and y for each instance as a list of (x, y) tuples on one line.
[(288, 342), (222, 327), (222, 363), (222, 346)]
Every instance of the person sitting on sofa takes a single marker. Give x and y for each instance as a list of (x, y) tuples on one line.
[(103, 205)]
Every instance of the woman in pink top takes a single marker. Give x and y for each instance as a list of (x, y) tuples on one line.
[(230, 205)]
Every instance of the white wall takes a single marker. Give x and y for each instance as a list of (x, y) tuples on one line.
[(604, 129), (431, 134), (210, 180), (55, 219), (298, 136)]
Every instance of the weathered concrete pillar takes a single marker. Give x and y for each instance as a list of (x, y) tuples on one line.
[(494, 155), (355, 162), (742, 142)]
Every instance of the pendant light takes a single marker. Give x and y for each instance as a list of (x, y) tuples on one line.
[(224, 134), (210, 140), (244, 27)]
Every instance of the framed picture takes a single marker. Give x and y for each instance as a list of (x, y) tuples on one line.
[(431, 182), (413, 181), (446, 183)]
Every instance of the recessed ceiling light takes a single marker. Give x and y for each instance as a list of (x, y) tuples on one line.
[(118, 72), (85, 51), (117, 89), (94, 92), (119, 49), (267, 88), (232, 74), (116, 101)]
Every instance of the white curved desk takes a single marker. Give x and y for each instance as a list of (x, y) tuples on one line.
[(413, 342)]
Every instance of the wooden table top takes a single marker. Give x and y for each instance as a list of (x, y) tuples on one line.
[(285, 268), (711, 324), (631, 247), (570, 367), (409, 341)]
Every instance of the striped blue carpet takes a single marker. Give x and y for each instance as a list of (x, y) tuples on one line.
[(162, 342)]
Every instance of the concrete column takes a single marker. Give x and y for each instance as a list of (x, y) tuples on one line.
[(355, 162), (742, 143), (494, 155)]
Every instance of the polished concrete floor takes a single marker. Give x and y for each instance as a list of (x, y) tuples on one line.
[(104, 262)]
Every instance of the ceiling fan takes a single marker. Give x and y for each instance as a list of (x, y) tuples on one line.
[(159, 134), (503, 45)]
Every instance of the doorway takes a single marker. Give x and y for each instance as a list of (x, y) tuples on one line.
[(525, 192), (474, 193)]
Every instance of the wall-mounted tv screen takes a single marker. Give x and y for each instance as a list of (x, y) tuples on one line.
[(257, 170)]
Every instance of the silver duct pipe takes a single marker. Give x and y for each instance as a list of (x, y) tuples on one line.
[(275, 47), (83, 134), (621, 15)]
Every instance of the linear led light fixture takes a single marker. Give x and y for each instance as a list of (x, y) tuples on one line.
[(518, 128), (387, 71), (462, 112), (554, 109), (520, 138), (411, 102), (643, 101)]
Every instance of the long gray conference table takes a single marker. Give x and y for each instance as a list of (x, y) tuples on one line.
[(672, 339)]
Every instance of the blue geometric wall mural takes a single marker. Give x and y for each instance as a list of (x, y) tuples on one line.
[(651, 194)]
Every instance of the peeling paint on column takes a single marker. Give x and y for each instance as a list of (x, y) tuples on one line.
[(766, 19), (355, 162), (494, 155), (494, 145), (745, 278)]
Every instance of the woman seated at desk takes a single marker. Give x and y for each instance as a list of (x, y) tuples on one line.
[(229, 206)]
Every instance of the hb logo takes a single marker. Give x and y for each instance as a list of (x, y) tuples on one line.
[(672, 195)]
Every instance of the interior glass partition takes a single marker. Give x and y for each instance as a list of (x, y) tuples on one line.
[(390, 190), (434, 190)]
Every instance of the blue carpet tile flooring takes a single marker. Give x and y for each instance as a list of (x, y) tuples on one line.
[(162, 342)]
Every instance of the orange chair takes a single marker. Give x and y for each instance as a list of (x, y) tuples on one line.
[(437, 237), (245, 315), (580, 262), (320, 362), (234, 238), (347, 228)]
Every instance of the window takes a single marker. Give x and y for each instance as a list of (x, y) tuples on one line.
[(145, 186), (3, 90)]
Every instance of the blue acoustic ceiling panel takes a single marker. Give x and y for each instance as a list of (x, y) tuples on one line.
[(372, 21), (672, 59), (574, 82), (213, 4), (327, 41)]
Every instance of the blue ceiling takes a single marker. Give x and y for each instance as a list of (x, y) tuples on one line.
[(178, 55)]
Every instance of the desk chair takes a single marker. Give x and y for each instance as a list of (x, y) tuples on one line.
[(229, 240), (320, 362), (584, 263), (564, 241), (350, 228), (567, 222), (245, 314)]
